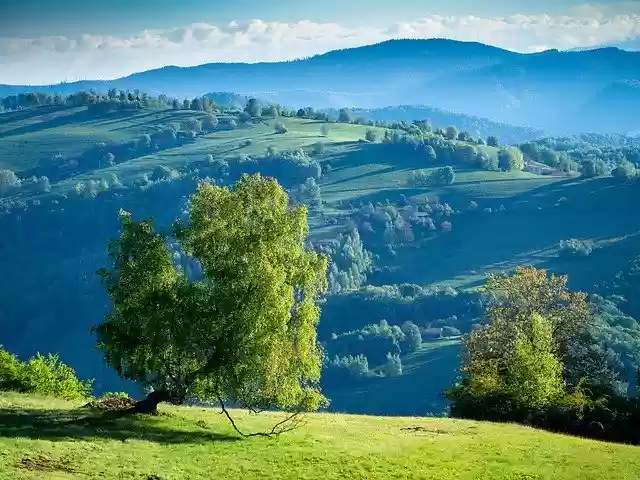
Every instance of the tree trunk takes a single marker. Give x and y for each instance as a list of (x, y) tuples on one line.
[(150, 404)]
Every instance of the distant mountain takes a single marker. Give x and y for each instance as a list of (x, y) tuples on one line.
[(616, 107), (547, 90)]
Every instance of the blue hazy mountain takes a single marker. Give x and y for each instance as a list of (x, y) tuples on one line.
[(550, 90)]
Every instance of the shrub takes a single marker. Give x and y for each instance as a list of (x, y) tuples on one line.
[(41, 375), (318, 148), (162, 172), (371, 136), (624, 171), (325, 129), (8, 182), (448, 331), (413, 337), (280, 128), (511, 159), (393, 367), (573, 247)]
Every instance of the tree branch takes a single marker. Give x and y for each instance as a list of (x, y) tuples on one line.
[(294, 420)]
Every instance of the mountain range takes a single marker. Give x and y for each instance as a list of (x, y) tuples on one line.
[(558, 91)]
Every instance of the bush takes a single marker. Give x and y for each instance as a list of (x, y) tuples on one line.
[(371, 136), (510, 159), (8, 182), (325, 129), (279, 128), (573, 247), (41, 375), (162, 172), (318, 148), (393, 367), (624, 171), (413, 337)]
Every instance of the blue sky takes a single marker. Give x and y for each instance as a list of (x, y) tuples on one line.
[(33, 18), (48, 41)]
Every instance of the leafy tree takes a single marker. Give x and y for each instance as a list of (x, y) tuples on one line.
[(270, 111), (325, 129), (451, 133), (624, 171), (253, 108), (393, 367), (574, 247), (344, 116), (527, 376), (492, 141), (430, 154), (8, 182), (593, 168), (446, 175), (528, 291), (246, 333), (511, 159), (371, 136), (413, 337), (210, 122)]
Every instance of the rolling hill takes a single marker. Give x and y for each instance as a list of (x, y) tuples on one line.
[(546, 90), (52, 439), (53, 242)]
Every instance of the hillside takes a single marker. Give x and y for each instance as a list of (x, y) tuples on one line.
[(54, 241), (544, 90), (37, 441)]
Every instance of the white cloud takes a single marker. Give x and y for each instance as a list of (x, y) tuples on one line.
[(53, 59)]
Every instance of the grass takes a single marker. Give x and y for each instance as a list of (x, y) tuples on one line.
[(433, 365), (38, 442)]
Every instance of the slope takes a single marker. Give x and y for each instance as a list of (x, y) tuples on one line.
[(52, 247), (37, 440)]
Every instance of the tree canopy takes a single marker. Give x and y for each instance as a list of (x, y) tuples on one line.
[(245, 333)]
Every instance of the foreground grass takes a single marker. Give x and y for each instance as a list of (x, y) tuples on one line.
[(36, 441)]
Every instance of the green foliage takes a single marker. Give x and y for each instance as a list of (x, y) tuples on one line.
[(42, 375), (492, 141), (279, 128), (511, 159), (253, 108), (534, 375), (371, 136), (9, 182), (344, 116), (413, 337), (325, 129), (350, 262), (393, 367), (574, 247), (625, 171), (244, 333), (593, 168), (427, 178), (451, 133)]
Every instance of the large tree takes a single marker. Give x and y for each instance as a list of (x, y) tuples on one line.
[(244, 334)]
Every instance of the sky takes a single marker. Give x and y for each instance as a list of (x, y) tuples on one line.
[(48, 41)]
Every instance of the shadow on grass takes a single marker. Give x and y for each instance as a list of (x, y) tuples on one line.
[(84, 424)]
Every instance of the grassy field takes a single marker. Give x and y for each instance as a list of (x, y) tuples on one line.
[(38, 442), (426, 373)]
